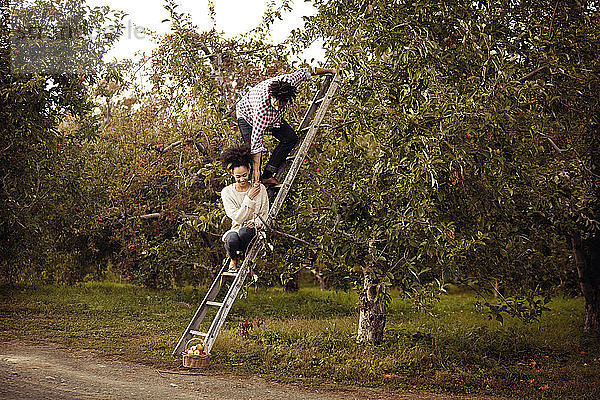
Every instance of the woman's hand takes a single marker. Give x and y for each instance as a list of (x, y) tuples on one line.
[(254, 190)]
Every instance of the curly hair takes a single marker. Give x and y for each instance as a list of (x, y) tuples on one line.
[(282, 90), (237, 156)]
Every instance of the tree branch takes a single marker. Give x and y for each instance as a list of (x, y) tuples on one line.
[(147, 216), (169, 147), (184, 216), (532, 73), (337, 126), (554, 146), (129, 183), (273, 230), (552, 20)]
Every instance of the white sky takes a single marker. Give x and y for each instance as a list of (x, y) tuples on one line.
[(233, 17)]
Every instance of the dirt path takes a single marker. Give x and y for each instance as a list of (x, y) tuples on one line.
[(50, 372)]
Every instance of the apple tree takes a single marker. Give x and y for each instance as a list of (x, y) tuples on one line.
[(163, 141), (47, 194), (463, 147)]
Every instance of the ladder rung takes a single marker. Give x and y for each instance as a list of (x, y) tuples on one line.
[(307, 128), (227, 273), (214, 303), (198, 333), (319, 100)]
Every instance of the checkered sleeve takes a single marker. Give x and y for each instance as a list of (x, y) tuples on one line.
[(297, 77), (259, 128)]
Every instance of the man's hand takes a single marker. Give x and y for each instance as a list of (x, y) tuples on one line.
[(323, 71), (254, 190), (255, 176)]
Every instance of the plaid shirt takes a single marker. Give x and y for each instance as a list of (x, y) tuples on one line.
[(255, 107)]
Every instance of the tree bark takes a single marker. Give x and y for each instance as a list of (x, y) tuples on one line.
[(372, 310), (320, 279), (292, 285), (587, 260)]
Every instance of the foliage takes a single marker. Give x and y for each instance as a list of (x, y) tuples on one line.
[(462, 146), (48, 189), (444, 156), (115, 171), (163, 141)]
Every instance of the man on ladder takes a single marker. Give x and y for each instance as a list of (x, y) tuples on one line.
[(261, 110)]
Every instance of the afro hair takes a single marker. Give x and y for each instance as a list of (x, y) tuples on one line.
[(237, 156), (283, 91)]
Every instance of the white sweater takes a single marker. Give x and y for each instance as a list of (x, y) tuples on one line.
[(242, 209)]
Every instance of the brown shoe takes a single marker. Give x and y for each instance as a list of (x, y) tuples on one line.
[(272, 182), (234, 266)]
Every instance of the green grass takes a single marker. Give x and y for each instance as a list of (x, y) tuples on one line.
[(308, 337)]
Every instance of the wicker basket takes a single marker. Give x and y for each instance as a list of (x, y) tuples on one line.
[(192, 360)]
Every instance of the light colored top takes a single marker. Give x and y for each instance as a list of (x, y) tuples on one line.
[(242, 209)]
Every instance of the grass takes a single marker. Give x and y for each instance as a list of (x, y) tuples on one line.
[(308, 337)]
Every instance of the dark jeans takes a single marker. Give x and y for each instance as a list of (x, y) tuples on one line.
[(236, 243), (287, 140)]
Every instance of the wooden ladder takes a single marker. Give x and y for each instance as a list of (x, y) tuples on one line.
[(310, 124)]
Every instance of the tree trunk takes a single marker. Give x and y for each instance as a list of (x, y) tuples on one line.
[(323, 284), (372, 311), (292, 285), (587, 260), (320, 279)]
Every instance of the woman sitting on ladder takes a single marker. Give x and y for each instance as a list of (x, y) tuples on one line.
[(243, 203)]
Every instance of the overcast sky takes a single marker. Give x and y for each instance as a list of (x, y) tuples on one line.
[(233, 17)]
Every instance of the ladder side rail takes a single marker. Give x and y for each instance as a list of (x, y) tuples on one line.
[(232, 294), (310, 112), (308, 116), (302, 151), (219, 319), (196, 320)]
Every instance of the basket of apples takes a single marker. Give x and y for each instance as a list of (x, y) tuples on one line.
[(194, 355)]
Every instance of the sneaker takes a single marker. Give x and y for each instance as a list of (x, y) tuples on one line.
[(272, 182)]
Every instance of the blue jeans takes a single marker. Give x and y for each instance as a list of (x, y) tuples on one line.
[(236, 243)]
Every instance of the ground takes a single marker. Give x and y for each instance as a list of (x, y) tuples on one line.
[(53, 372)]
